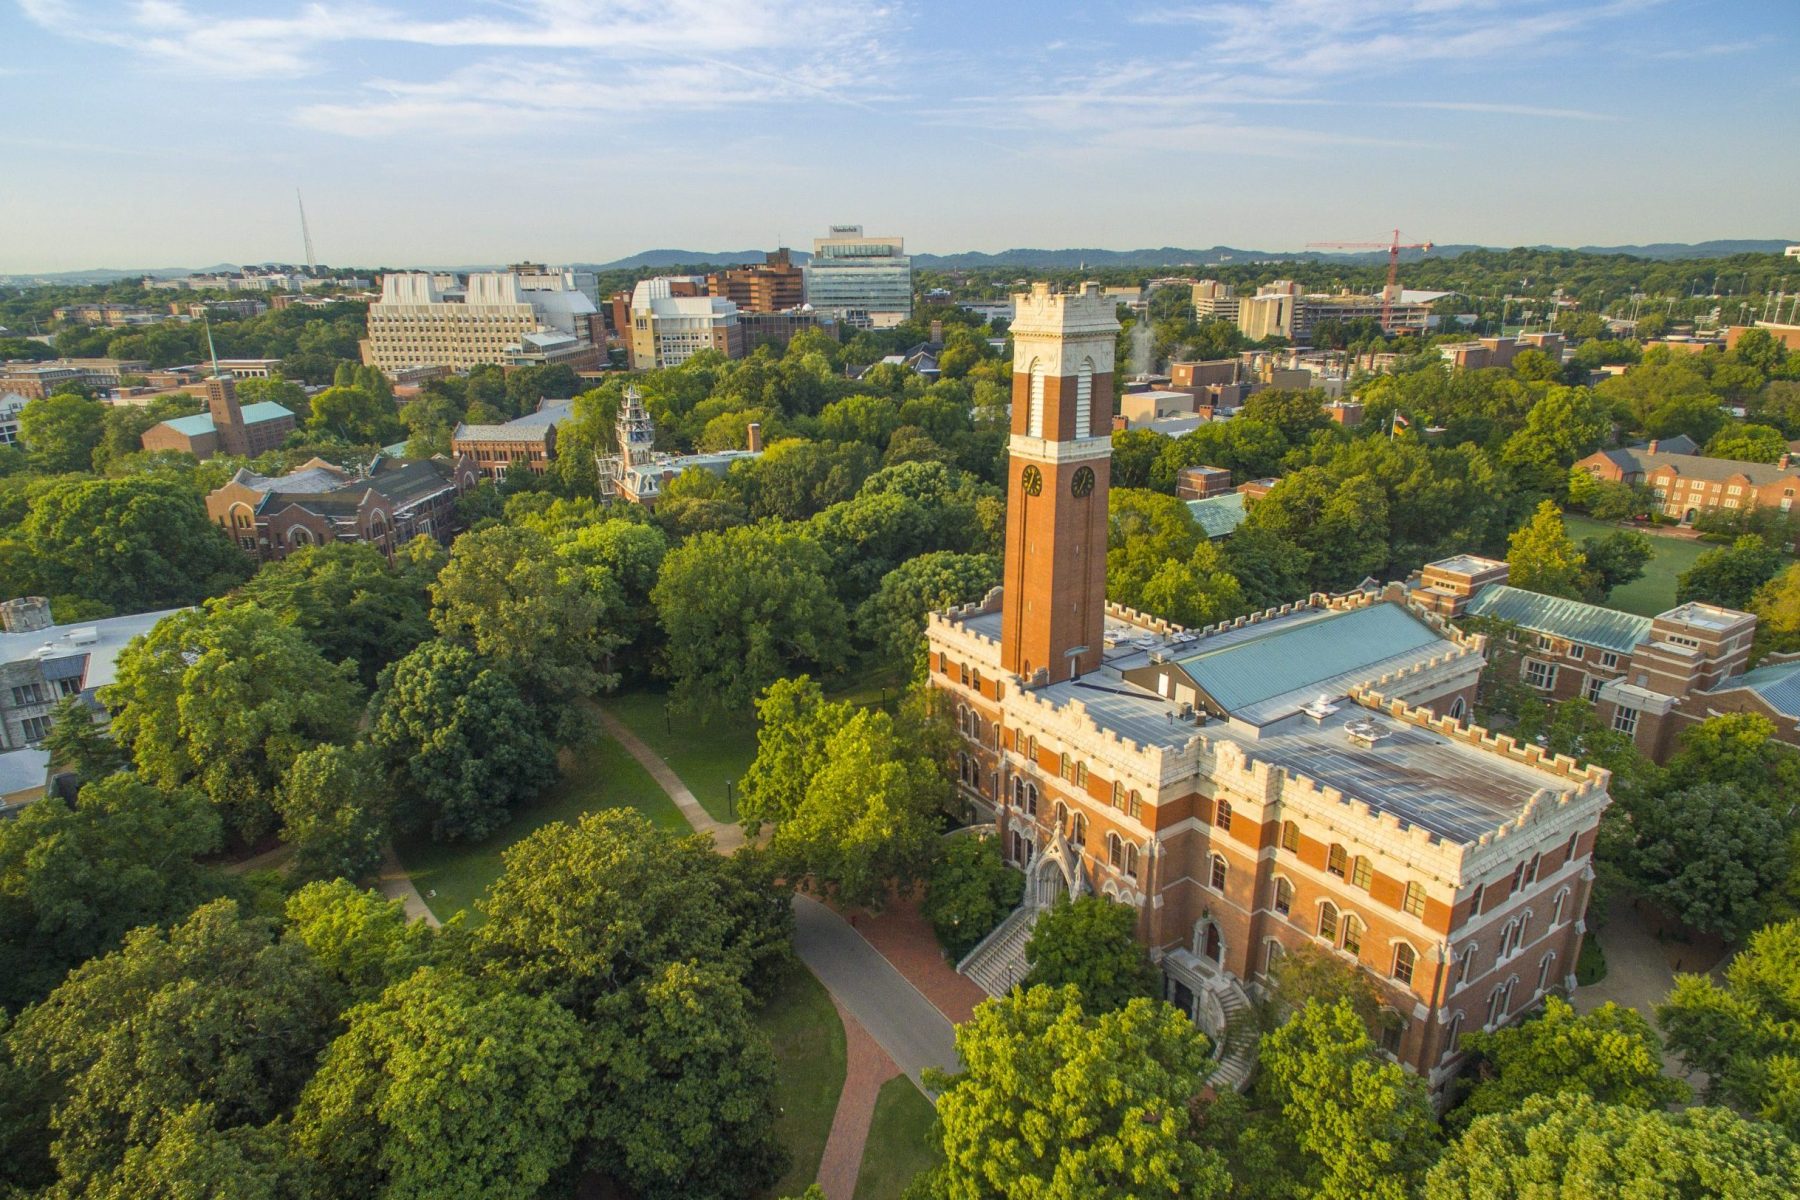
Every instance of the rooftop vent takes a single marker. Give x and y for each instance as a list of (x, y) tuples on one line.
[(1364, 733), (1319, 709)]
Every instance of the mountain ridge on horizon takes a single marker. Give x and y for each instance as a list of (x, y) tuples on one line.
[(1023, 257)]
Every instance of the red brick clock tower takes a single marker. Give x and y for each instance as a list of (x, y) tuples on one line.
[(1060, 459)]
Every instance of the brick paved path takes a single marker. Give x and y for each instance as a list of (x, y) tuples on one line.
[(904, 937), (866, 1067)]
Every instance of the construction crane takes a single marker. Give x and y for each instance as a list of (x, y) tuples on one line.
[(1393, 248)]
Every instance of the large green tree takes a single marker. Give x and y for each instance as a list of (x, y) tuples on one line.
[(892, 621), (462, 747), (1571, 1146), (1059, 1103), (61, 431), (743, 608), (75, 878), (333, 812), (447, 1087), (349, 601), (1610, 1055), (1745, 1033), (223, 699), (1730, 575), (1091, 944), (969, 890), (1542, 557), (1711, 855), (133, 544)]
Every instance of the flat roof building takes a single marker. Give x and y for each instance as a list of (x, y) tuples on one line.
[(666, 329), (487, 319), (866, 282)]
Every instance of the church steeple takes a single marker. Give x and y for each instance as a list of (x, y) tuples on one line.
[(1060, 460)]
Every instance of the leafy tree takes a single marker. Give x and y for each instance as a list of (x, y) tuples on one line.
[(1608, 499), (1748, 443), (743, 608), (215, 1012), (73, 879), (968, 891), (1347, 1122), (1557, 1146), (1090, 943), (1711, 855), (1566, 424), (354, 415), (1544, 558), (461, 745), (794, 722), (362, 941), (686, 1104), (61, 431), (223, 699), (624, 555), (893, 619), (349, 601), (1134, 453), (1296, 415), (1613, 561), (1777, 608), (446, 1087), (869, 814), (1744, 1034), (79, 743), (1308, 975), (1730, 575), (130, 543), (1058, 1103), (1270, 570), (547, 621), (583, 911), (1610, 1055), (333, 813), (1342, 525), (1738, 749)]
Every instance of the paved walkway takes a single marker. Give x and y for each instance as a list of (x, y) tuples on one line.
[(726, 838), (1638, 974), (396, 884), (866, 1067), (904, 937)]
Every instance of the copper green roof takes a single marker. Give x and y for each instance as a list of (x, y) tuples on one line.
[(1572, 620), (1218, 516), (254, 414), (1777, 683)]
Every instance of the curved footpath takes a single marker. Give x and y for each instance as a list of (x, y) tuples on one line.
[(889, 1025)]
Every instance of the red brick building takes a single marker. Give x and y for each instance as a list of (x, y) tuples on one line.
[(225, 427), (387, 505), (1686, 485), (1301, 777)]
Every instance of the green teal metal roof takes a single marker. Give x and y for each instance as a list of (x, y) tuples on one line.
[(1588, 624), (1778, 684), (1218, 516), (1292, 656), (254, 414)]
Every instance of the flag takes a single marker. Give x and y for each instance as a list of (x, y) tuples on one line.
[(1401, 422)]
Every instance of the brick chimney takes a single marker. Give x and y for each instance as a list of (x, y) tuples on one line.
[(753, 437), (1651, 448), (1784, 461)]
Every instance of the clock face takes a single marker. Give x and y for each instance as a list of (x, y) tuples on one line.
[(1083, 483), (1032, 481)]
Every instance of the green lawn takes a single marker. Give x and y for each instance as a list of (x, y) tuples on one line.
[(709, 755), (1654, 592), (902, 1141), (600, 775), (803, 1025)]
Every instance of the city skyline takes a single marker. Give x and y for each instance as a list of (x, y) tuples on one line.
[(566, 131)]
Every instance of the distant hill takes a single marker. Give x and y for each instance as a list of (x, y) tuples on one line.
[(688, 258), (1723, 248)]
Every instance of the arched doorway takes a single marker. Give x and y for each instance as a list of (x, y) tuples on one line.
[(1209, 942), (1048, 884)]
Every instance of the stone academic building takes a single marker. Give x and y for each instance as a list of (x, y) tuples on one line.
[(1300, 777)]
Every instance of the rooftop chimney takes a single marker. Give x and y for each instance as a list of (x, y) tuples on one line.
[(753, 437), (1652, 446)]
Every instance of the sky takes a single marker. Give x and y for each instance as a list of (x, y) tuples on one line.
[(146, 133)]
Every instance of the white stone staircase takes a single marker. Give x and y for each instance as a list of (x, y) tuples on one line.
[(1237, 1051), (997, 964)]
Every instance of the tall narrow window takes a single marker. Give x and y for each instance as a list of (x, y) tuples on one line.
[(1362, 874), (1465, 965), (1328, 921), (1352, 934), (1454, 1035), (1034, 426), (1224, 815), (1337, 861), (1080, 835), (1414, 900), (1115, 850), (1084, 399), (1118, 794), (1544, 970), (1131, 860), (1403, 963), (1284, 896), (1218, 873), (1290, 837)]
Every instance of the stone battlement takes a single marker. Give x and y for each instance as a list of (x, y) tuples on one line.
[(1588, 778)]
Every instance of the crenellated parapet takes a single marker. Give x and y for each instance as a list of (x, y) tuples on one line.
[(1588, 777)]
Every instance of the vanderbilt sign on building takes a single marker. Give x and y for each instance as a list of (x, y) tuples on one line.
[(1302, 776)]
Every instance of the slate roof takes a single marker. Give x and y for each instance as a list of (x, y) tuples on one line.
[(1291, 656), (1218, 516), (1777, 683), (529, 427), (1588, 624), (1696, 466), (1681, 443), (254, 414)]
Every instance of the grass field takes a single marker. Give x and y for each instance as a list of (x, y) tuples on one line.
[(708, 755), (808, 1038), (901, 1142), (600, 775), (1669, 557)]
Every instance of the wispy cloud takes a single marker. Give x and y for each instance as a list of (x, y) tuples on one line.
[(518, 59)]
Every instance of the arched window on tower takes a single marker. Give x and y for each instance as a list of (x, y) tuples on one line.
[(1034, 425), (1218, 873), (1328, 921), (1284, 896), (1403, 962)]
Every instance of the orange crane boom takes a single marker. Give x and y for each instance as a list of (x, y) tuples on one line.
[(1393, 248)]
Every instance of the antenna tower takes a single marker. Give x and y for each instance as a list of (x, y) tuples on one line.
[(312, 264)]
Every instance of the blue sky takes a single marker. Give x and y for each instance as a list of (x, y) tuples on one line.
[(174, 131)]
